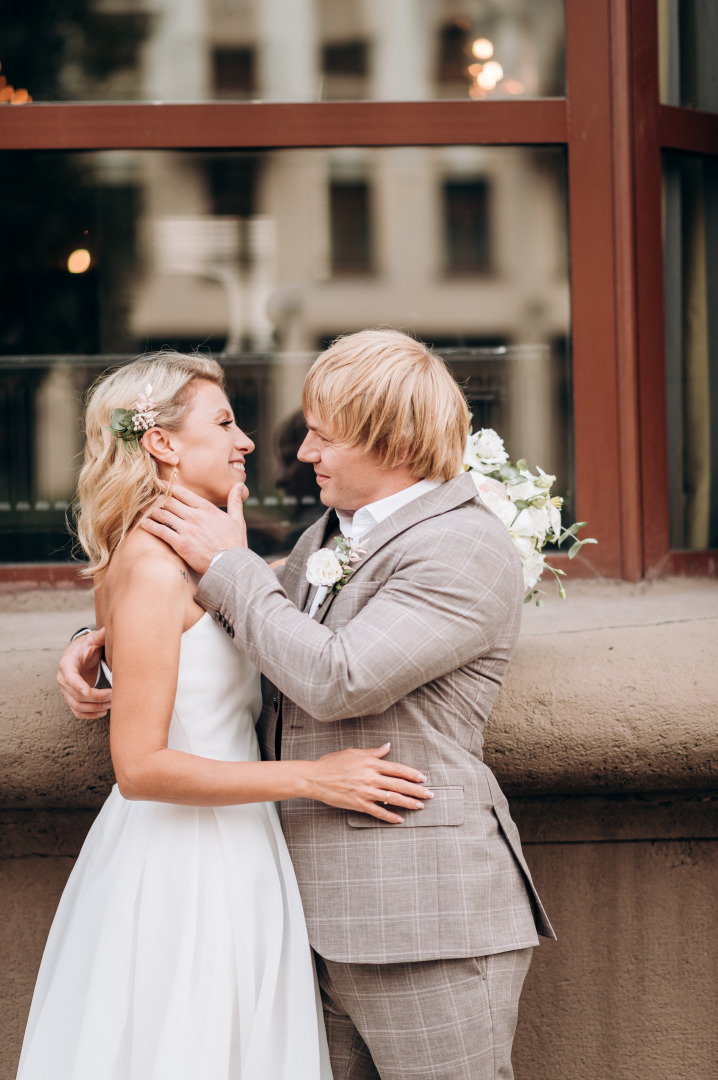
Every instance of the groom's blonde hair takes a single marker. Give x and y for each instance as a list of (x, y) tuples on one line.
[(387, 392)]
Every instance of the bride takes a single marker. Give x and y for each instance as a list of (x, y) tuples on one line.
[(179, 949)]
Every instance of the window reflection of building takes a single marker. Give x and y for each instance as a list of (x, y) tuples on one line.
[(261, 256), (234, 73), (466, 226), (284, 50), (351, 227), (345, 70)]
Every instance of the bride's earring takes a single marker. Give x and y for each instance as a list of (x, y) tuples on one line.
[(169, 486)]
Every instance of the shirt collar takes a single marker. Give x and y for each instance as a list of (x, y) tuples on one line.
[(364, 520)]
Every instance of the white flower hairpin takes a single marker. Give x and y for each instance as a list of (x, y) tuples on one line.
[(130, 424)]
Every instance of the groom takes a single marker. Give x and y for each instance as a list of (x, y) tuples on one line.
[(423, 928)]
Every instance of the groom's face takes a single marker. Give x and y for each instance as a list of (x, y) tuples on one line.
[(348, 476)]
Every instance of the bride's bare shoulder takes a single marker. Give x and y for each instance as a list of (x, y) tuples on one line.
[(142, 561)]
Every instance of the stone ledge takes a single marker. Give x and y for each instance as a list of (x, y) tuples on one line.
[(613, 691), (542, 819)]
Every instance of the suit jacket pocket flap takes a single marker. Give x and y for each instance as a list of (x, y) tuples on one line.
[(446, 808)]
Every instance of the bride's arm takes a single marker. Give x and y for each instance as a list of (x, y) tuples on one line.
[(145, 623)]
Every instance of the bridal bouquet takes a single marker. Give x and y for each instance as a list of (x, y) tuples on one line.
[(525, 505)]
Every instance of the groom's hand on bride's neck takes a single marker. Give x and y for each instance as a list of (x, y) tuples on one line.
[(197, 529)]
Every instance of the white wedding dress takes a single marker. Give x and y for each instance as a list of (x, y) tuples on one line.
[(179, 950)]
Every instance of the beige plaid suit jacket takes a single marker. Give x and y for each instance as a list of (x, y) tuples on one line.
[(413, 650)]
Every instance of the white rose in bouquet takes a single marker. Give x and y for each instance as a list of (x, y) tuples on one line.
[(533, 521), (496, 500), (485, 451), (524, 487), (532, 561), (525, 505), (533, 568)]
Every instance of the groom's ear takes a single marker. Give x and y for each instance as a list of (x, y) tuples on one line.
[(159, 444)]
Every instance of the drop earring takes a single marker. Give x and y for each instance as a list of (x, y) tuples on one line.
[(169, 486)]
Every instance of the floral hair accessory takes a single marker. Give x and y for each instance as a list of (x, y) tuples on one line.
[(130, 424)]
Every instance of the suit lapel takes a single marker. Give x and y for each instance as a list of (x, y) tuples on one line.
[(438, 501), (321, 613)]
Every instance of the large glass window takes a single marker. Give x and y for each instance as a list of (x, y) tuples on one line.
[(691, 306), (263, 258), (688, 38), (282, 50)]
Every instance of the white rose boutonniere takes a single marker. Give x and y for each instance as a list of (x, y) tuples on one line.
[(324, 568), (332, 569)]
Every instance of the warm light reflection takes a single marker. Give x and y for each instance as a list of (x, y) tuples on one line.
[(492, 74), (513, 86), (79, 261), (10, 96), (482, 49)]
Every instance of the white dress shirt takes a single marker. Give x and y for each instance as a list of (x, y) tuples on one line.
[(356, 526)]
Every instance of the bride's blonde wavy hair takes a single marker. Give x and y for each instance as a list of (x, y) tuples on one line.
[(118, 484)]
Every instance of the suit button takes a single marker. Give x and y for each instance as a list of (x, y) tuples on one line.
[(276, 703)]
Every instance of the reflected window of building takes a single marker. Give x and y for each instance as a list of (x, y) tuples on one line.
[(234, 73), (256, 257), (466, 230), (691, 313), (688, 44), (351, 227), (345, 70), (232, 183), (454, 58)]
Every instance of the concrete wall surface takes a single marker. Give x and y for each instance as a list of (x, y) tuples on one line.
[(605, 737)]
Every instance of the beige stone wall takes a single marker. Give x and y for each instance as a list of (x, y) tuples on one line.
[(605, 736)]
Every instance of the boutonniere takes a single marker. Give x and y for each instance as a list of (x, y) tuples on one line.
[(332, 569)]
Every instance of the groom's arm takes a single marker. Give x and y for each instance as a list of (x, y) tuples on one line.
[(441, 609)]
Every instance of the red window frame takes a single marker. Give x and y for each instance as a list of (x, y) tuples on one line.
[(614, 129)]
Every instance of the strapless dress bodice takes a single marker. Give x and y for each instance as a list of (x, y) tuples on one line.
[(218, 697)]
